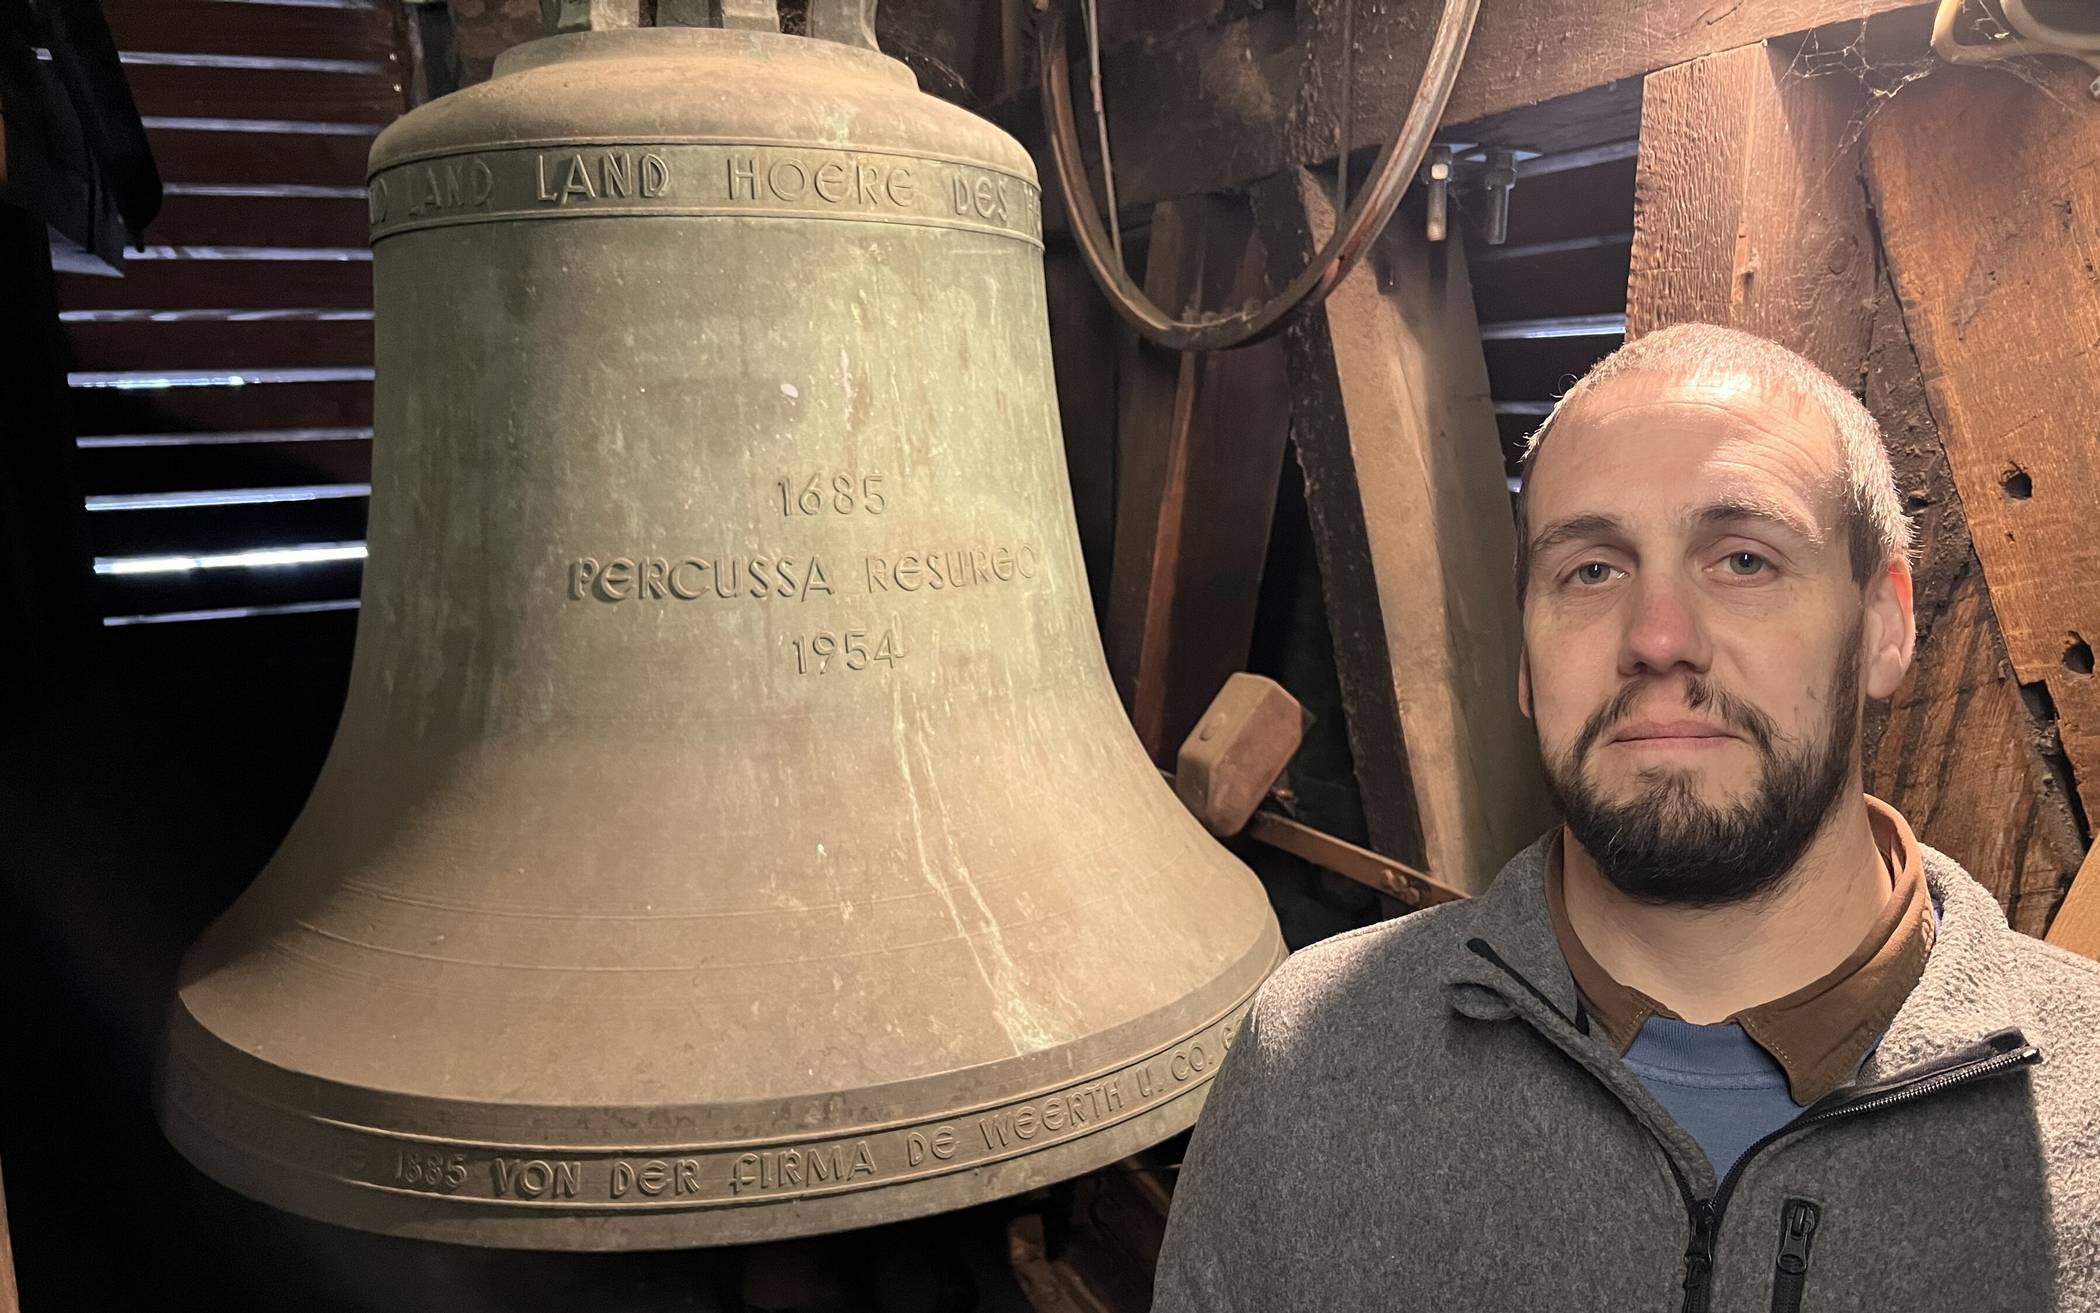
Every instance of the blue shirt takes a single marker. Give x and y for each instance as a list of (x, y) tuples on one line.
[(1717, 1082)]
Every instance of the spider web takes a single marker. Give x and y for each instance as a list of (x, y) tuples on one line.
[(1880, 67)]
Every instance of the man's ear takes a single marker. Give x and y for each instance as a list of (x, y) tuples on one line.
[(1524, 682), (1889, 638)]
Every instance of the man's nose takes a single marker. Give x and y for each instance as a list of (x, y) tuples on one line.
[(1663, 631)]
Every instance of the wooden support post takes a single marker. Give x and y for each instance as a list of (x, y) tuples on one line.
[(2077, 924), (1411, 519), (1745, 211), (1986, 188), (1955, 749), (1201, 440), (1750, 212)]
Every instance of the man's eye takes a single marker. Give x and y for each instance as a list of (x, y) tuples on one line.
[(1746, 564), (1591, 572)]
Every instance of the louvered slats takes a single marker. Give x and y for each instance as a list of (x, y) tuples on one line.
[(223, 386)]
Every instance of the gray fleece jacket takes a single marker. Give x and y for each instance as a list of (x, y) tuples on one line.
[(1410, 1120)]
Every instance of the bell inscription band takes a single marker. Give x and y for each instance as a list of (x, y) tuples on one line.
[(732, 832)]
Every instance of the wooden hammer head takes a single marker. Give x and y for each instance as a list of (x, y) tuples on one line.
[(1244, 740)]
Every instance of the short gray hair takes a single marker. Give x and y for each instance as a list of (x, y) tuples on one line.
[(1876, 528)]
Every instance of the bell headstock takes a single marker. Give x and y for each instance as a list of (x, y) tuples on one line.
[(848, 22)]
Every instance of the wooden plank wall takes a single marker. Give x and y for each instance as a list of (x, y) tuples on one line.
[(222, 386), (1752, 210)]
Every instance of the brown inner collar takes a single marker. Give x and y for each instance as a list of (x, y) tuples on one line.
[(1820, 1032)]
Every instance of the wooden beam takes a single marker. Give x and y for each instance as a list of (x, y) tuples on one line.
[(1954, 749), (1148, 471), (1990, 214), (1201, 438), (2077, 924), (1750, 212), (1411, 517), (1746, 211), (1217, 106), (1108, 1230)]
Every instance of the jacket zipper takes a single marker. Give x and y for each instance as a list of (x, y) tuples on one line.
[(2009, 1050), (1797, 1232)]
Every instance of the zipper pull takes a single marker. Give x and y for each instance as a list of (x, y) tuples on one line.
[(1797, 1231), (1699, 1258)]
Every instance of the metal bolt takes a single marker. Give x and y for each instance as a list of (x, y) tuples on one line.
[(1436, 176), (1501, 180)]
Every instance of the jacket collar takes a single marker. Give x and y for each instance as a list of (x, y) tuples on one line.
[(1957, 1002), (1962, 997), (1507, 944), (1511, 918)]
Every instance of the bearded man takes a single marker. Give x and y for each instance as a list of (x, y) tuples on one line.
[(1731, 1038)]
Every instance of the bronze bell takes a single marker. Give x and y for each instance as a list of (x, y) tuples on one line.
[(732, 832)]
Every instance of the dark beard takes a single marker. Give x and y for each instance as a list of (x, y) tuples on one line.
[(1666, 847)]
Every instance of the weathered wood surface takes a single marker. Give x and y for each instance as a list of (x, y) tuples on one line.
[(1999, 273), (1957, 749), (1745, 211), (1404, 480), (1200, 440), (2078, 923), (1750, 211), (1148, 467), (1107, 1242), (1205, 108)]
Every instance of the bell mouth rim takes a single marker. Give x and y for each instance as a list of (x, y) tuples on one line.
[(664, 1195), (561, 47), (187, 1038), (438, 1221)]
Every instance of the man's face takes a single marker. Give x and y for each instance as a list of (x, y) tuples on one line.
[(1696, 646)]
